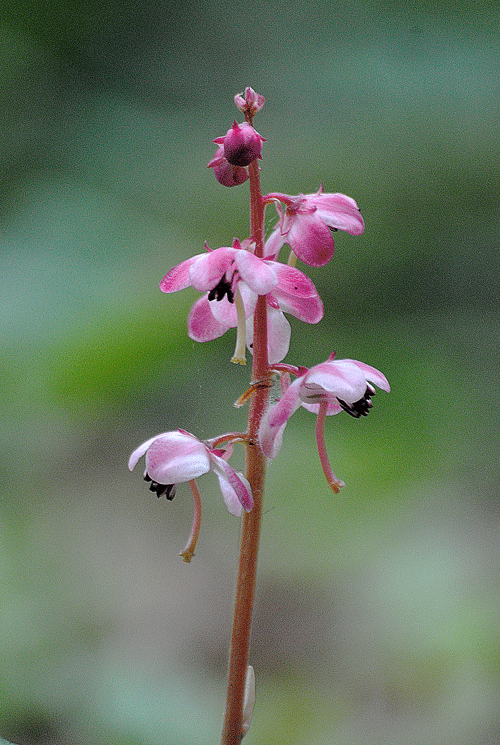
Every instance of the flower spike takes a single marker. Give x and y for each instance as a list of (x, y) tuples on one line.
[(244, 286)]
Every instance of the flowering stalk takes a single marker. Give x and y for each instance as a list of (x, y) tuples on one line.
[(233, 729), (246, 287)]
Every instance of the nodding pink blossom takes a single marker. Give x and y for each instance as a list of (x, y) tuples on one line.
[(294, 293), (325, 389), (225, 173), (308, 222), (218, 273), (241, 143), (177, 457), (233, 278)]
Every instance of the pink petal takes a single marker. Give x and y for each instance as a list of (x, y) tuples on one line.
[(310, 239), (229, 496), (202, 325), (274, 243), (208, 269), (293, 281), (343, 381), (373, 375), (278, 334), (224, 312), (332, 408), (309, 310), (232, 483), (178, 278), (275, 420), (296, 294), (338, 211), (174, 457), (139, 452), (259, 275)]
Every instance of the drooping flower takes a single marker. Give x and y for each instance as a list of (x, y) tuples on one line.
[(218, 273), (307, 224), (176, 457), (325, 389), (233, 278), (225, 173), (294, 293)]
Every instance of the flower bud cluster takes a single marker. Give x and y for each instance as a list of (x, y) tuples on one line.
[(239, 147)]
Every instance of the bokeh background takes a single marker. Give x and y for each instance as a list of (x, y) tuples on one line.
[(377, 621)]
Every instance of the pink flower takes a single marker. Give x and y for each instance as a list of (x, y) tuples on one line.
[(218, 273), (324, 389), (307, 224), (233, 278), (293, 293), (177, 457), (242, 144), (225, 173)]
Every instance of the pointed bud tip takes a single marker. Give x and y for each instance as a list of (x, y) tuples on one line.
[(249, 101)]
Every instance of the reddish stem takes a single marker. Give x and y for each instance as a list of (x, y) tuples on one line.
[(233, 730)]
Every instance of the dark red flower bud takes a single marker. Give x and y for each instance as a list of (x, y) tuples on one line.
[(225, 173), (242, 144)]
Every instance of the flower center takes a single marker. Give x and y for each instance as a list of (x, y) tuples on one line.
[(223, 288), (361, 407), (161, 489)]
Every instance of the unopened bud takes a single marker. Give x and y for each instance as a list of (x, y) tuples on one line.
[(242, 144), (225, 173), (250, 102)]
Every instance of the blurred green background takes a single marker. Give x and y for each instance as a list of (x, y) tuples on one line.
[(377, 620)]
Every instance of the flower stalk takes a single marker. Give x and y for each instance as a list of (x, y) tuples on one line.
[(246, 287), (234, 727), (187, 552), (333, 482)]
